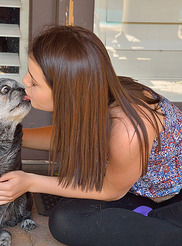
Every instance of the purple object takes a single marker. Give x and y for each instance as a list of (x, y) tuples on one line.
[(143, 210)]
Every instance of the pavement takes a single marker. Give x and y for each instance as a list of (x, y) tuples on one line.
[(40, 236)]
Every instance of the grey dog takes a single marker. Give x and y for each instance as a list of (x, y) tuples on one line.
[(14, 106)]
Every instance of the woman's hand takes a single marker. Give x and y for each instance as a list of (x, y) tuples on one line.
[(13, 185)]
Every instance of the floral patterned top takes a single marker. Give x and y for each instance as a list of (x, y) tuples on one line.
[(164, 175)]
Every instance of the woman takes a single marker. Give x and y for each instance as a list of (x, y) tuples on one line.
[(117, 142)]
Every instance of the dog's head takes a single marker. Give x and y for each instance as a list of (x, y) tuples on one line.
[(14, 104)]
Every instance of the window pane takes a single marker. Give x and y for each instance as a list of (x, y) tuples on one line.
[(144, 41), (9, 15), (9, 44), (6, 69)]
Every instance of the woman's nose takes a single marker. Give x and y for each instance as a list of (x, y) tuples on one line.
[(26, 80)]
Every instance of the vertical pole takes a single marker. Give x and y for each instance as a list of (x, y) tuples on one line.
[(71, 16)]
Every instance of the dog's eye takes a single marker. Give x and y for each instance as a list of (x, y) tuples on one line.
[(5, 89)]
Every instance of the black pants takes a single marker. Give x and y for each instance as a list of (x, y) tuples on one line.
[(81, 222)]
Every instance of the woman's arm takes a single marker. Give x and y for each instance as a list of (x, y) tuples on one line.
[(37, 138), (19, 182), (122, 172)]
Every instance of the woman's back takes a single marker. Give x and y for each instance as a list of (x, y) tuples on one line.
[(164, 175)]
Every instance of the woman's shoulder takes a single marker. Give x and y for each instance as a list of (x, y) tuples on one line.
[(124, 142), (124, 153), (122, 125), (124, 147)]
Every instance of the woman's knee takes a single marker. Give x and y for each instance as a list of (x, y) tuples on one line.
[(60, 224), (69, 219)]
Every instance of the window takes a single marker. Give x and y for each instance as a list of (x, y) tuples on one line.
[(14, 19), (144, 41)]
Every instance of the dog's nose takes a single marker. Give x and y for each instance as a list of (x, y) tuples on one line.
[(20, 89)]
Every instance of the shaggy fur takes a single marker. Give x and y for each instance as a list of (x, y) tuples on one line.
[(14, 106)]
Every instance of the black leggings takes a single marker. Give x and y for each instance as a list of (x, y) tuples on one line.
[(81, 222)]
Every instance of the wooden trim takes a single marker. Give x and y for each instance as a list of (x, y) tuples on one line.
[(76, 12), (71, 16)]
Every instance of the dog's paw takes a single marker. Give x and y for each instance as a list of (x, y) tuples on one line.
[(5, 238), (28, 225)]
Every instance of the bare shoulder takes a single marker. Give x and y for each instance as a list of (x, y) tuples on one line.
[(124, 167), (124, 143)]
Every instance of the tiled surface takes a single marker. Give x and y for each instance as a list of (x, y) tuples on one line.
[(40, 236)]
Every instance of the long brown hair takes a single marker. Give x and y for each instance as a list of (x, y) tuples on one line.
[(78, 69)]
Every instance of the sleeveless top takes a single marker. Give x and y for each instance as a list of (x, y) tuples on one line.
[(164, 175)]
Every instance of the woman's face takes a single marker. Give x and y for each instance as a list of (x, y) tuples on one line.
[(37, 89)]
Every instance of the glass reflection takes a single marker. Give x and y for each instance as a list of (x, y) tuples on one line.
[(144, 41)]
